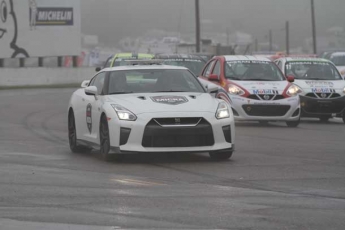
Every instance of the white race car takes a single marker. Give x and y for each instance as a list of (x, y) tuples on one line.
[(257, 89), (149, 108), (338, 59), (322, 87)]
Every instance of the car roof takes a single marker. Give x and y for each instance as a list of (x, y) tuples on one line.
[(178, 56), (245, 58), (304, 59), (335, 54), (144, 67), (132, 55)]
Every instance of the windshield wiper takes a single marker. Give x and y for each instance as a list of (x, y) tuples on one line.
[(120, 93)]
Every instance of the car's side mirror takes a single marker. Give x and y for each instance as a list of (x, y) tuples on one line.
[(212, 89), (85, 84), (213, 77), (91, 90), (98, 69), (290, 78)]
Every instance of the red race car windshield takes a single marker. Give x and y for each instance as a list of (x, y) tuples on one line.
[(253, 71)]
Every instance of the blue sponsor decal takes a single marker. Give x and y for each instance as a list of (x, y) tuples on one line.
[(265, 91), (322, 90)]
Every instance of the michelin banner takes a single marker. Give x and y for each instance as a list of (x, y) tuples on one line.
[(39, 28)]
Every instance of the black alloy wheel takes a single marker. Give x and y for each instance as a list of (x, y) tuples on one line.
[(293, 124), (324, 119), (72, 136), (221, 155)]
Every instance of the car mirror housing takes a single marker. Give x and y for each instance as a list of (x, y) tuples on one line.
[(212, 89), (98, 69), (290, 78), (91, 90), (85, 84), (213, 77)]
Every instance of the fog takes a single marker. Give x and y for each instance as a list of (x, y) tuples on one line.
[(113, 20)]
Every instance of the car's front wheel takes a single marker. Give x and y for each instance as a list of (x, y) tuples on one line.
[(324, 119), (344, 117), (293, 124), (104, 139), (72, 136), (221, 155), (263, 122)]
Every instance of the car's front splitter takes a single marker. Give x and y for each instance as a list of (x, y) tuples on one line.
[(246, 109), (316, 107), (148, 138)]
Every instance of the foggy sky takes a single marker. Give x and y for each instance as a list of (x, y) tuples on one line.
[(113, 20)]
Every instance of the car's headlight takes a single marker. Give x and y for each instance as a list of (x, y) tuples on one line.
[(293, 90), (123, 113), (235, 90), (222, 111)]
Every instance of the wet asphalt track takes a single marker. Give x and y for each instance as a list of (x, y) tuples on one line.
[(279, 177)]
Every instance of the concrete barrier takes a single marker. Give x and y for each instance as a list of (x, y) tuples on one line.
[(17, 77)]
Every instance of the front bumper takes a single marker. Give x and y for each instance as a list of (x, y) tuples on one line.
[(315, 107), (246, 109), (144, 135)]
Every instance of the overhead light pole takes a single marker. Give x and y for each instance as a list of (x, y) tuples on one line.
[(313, 26), (197, 24)]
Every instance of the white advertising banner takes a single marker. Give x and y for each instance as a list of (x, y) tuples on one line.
[(39, 28)]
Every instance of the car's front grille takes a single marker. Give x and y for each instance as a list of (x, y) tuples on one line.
[(323, 95), (266, 110), (179, 121), (175, 135), (265, 97)]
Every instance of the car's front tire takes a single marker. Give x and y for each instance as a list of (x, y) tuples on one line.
[(324, 119), (344, 117), (72, 136), (105, 141), (293, 124), (221, 155)]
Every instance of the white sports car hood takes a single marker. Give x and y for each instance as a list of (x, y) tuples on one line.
[(263, 87), (309, 85), (165, 102)]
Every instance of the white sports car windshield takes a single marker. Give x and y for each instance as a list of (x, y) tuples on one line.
[(253, 71), (312, 70), (151, 81)]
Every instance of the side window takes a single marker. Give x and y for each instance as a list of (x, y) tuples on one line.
[(209, 69), (216, 69), (98, 81)]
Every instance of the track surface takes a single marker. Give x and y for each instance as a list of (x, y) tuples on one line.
[(279, 177)]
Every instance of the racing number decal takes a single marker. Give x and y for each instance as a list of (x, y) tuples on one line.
[(89, 117)]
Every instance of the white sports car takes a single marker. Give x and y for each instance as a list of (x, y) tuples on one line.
[(152, 108), (322, 88), (338, 59)]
